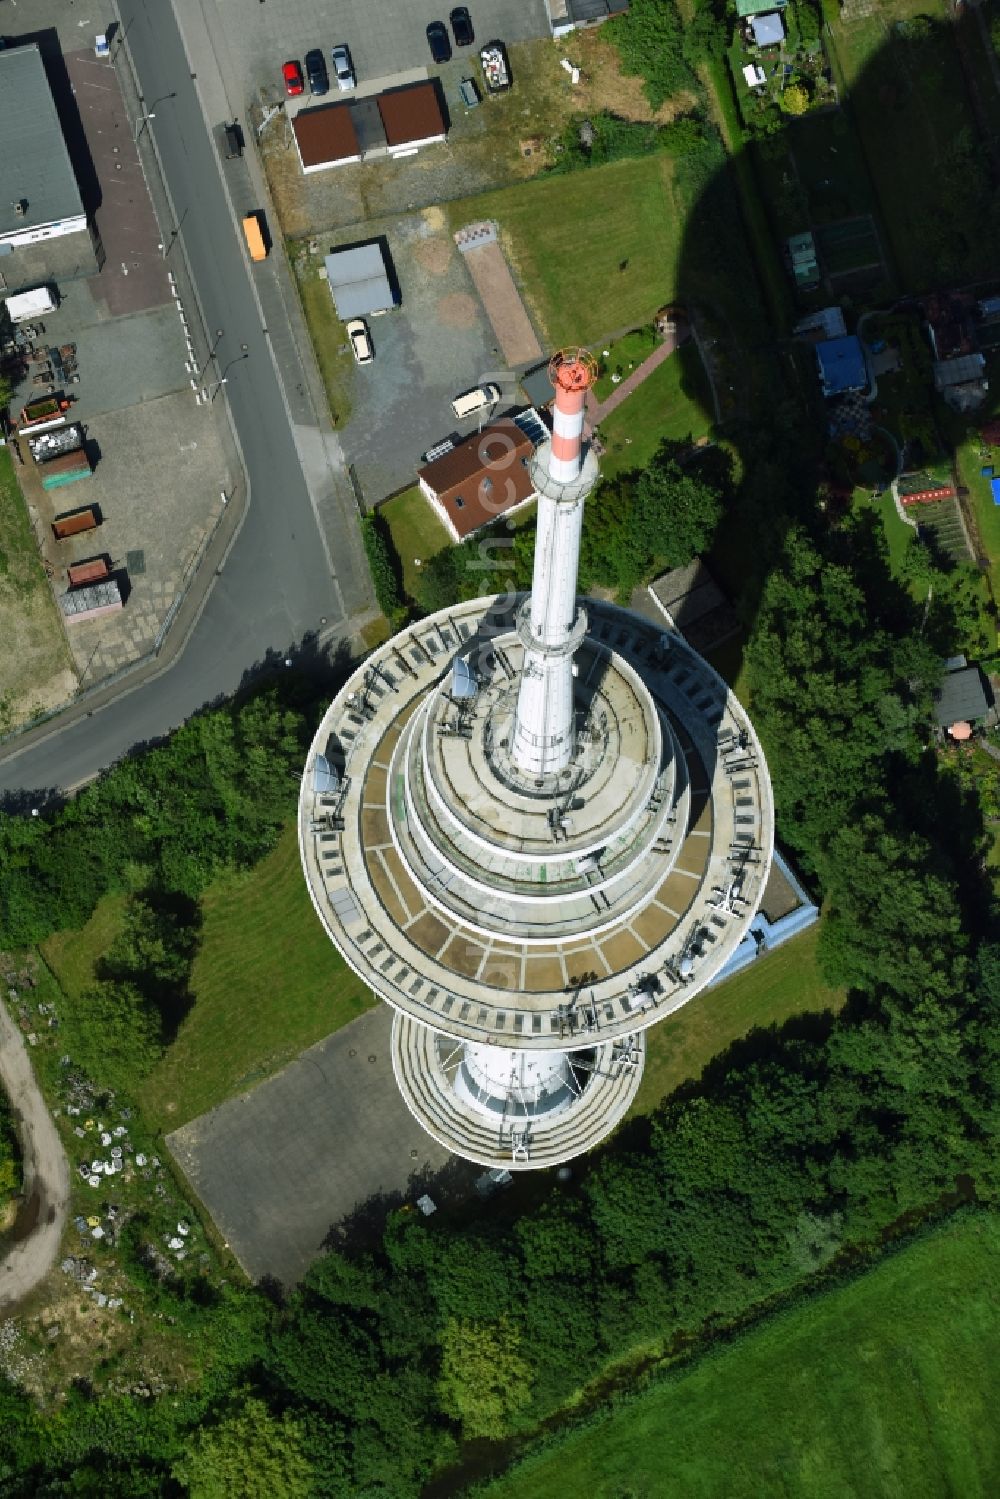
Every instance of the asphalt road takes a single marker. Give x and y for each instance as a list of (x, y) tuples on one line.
[(277, 584)]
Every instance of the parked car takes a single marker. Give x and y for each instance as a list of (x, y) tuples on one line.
[(437, 40), (343, 68), (292, 74), (361, 341), (319, 78), (461, 25)]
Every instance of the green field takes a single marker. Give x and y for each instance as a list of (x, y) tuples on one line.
[(887, 1386), (595, 251), (267, 982), (675, 402), (831, 167), (785, 983), (910, 102), (416, 533)]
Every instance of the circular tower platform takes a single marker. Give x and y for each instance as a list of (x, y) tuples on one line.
[(528, 929)]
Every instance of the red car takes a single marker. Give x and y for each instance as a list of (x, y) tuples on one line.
[(292, 74)]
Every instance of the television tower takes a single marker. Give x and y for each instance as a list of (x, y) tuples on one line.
[(535, 830)]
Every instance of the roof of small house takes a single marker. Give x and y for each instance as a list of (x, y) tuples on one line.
[(842, 365), (768, 30), (483, 477), (961, 697)]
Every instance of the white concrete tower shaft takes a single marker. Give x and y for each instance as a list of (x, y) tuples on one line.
[(552, 627)]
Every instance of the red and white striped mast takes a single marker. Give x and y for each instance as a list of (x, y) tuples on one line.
[(551, 625)]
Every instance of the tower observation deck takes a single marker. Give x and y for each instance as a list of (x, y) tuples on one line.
[(535, 830)]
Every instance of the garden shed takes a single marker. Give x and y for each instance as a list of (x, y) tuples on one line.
[(768, 30)]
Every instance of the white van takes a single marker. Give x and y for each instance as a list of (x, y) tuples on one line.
[(474, 401)]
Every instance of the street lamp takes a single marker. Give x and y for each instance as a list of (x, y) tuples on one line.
[(150, 114), (210, 391)]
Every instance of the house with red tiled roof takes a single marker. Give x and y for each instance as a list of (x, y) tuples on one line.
[(485, 476)]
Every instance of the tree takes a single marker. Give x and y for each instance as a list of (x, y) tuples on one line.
[(894, 919), (795, 99), (675, 513), (250, 1452), (650, 43), (484, 1378), (114, 1035)]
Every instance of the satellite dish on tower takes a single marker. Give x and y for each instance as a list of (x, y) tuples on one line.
[(325, 778)]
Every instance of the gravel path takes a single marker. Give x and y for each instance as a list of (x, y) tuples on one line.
[(39, 1227)]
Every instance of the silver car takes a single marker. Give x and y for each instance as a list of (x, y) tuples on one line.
[(343, 68)]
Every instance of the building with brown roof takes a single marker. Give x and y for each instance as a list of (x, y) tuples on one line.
[(483, 477), (411, 117), (326, 137)]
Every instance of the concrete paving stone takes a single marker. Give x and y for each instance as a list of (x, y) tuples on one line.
[(281, 1168)]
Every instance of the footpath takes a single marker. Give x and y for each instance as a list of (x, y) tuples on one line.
[(39, 1227)]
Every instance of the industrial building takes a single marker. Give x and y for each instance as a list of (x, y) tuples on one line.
[(535, 826), (44, 233)]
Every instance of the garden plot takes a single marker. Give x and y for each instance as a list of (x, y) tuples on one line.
[(850, 247)]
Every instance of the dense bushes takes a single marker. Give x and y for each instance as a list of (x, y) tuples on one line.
[(213, 797), (10, 1155), (383, 564)]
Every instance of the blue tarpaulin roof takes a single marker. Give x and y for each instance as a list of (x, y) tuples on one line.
[(995, 487), (841, 365)]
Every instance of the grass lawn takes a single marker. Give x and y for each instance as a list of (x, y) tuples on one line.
[(267, 982), (622, 356), (909, 99), (36, 667), (784, 983), (333, 354), (416, 532), (586, 267), (674, 402), (885, 1386)]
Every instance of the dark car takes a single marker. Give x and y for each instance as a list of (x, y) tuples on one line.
[(437, 40), (319, 78), (461, 25)]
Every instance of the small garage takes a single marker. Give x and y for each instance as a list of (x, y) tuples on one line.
[(362, 281)]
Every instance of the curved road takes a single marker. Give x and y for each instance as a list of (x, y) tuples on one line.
[(277, 585), (39, 1227)]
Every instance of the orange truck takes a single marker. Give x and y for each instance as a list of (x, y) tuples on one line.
[(253, 233)]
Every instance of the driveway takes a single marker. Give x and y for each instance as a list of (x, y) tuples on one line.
[(436, 344), (40, 1223)]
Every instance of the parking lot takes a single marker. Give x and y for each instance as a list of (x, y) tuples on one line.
[(281, 1168), (384, 38)]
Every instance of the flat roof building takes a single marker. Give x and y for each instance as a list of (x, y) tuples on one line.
[(44, 235), (483, 477), (359, 280), (326, 137), (411, 117)]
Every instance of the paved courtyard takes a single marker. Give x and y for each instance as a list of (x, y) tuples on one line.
[(384, 38), (281, 1167), (435, 345)]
